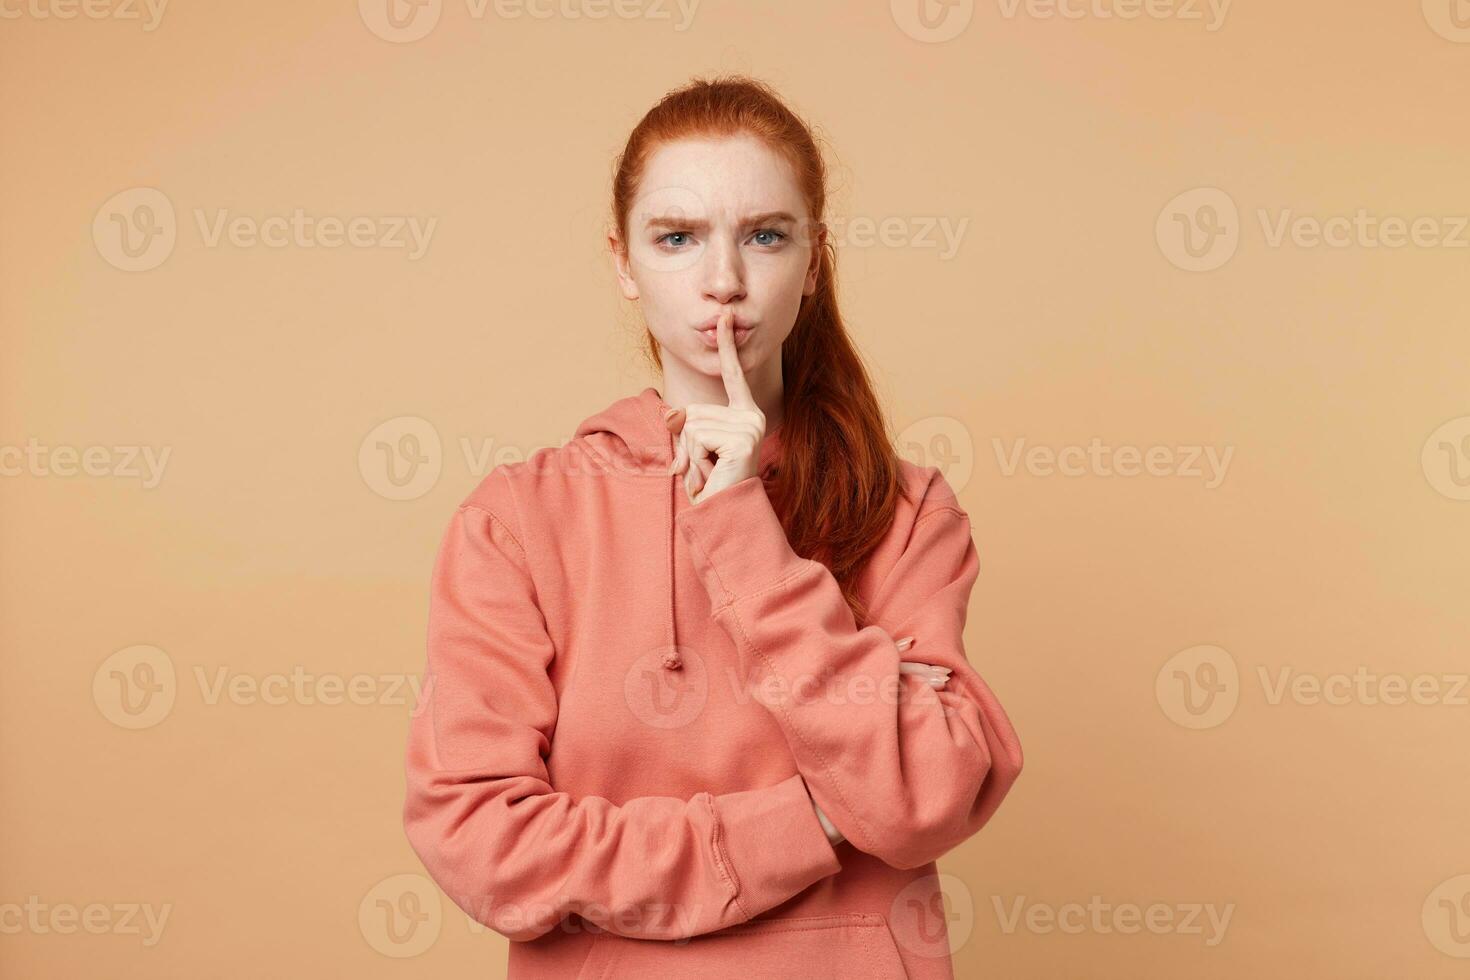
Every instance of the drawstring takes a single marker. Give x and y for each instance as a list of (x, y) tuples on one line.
[(671, 660)]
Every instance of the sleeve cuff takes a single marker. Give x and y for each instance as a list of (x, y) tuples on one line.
[(772, 842), (737, 542)]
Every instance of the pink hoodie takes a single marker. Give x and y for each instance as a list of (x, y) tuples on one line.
[(631, 702)]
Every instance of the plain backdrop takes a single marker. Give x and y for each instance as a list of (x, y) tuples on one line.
[(1240, 689)]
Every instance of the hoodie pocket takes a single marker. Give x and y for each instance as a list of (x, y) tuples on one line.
[(845, 946)]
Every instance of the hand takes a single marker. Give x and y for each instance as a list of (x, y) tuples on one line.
[(935, 675), (833, 834), (733, 432)]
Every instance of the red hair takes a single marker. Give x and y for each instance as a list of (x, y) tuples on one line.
[(837, 485)]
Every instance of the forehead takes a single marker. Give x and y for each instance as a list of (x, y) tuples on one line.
[(725, 176)]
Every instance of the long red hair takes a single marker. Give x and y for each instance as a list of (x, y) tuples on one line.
[(838, 482)]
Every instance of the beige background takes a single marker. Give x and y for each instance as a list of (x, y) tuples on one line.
[(264, 819)]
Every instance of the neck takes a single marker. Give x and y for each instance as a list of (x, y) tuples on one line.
[(682, 387)]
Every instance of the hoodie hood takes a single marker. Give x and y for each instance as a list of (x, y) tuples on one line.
[(630, 436)]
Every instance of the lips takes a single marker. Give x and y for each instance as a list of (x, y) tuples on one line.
[(740, 323), (711, 338)]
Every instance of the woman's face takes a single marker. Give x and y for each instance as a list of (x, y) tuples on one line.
[(718, 223)]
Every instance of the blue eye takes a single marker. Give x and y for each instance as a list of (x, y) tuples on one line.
[(771, 231), (660, 240)]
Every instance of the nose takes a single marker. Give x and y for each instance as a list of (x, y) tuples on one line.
[(724, 275)]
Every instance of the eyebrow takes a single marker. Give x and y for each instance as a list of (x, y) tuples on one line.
[(699, 224)]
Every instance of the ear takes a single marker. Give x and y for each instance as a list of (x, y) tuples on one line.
[(810, 286), (621, 266)]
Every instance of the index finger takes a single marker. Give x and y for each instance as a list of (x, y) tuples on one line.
[(737, 392)]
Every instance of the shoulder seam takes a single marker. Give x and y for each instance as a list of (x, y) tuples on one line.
[(942, 509), (497, 519)]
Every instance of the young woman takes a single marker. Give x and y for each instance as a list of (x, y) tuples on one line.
[(667, 729)]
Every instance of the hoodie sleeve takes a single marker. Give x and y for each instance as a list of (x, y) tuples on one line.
[(904, 771), (516, 854)]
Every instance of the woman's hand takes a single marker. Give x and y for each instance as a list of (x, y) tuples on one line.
[(833, 834), (733, 432), (936, 676)]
